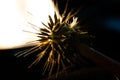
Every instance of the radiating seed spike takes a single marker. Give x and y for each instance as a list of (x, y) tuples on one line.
[(33, 25), (46, 67), (76, 12), (56, 6), (45, 25), (45, 30), (72, 15), (44, 34), (51, 21), (30, 32), (31, 41), (59, 29), (49, 58), (51, 26), (32, 51), (21, 53), (30, 13), (68, 16), (42, 37), (56, 27), (63, 19), (52, 65), (65, 10), (34, 62), (27, 52), (55, 18), (47, 63)]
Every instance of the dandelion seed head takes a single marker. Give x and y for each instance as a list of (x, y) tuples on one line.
[(54, 41)]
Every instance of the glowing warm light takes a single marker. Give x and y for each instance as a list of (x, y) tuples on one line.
[(14, 19)]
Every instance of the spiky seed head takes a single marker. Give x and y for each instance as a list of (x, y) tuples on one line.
[(56, 41)]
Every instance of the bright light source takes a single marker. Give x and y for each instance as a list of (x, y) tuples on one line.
[(14, 18)]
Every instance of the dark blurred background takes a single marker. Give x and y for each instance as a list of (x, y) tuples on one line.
[(101, 18)]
